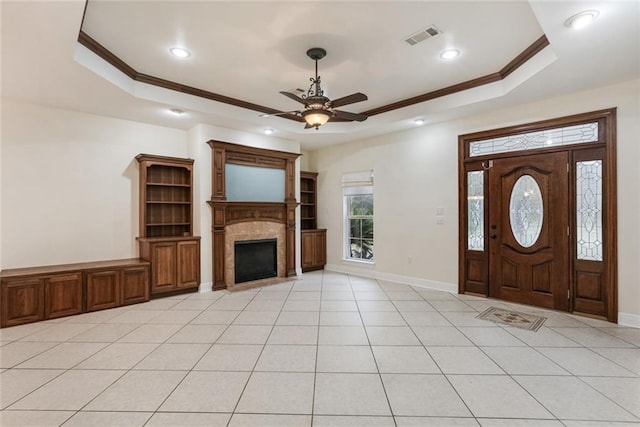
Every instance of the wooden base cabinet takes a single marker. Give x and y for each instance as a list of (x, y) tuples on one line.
[(22, 301), (114, 288), (39, 293), (63, 295), (314, 249), (175, 263)]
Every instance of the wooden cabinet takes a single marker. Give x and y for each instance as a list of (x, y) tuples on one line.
[(103, 290), (63, 295), (175, 263), (314, 249), (22, 301), (38, 293), (314, 240), (134, 285), (188, 264), (116, 287), (166, 223)]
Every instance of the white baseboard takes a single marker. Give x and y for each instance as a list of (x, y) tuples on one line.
[(373, 274), (206, 287), (626, 319)]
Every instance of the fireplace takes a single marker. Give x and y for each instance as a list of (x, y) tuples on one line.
[(255, 259)]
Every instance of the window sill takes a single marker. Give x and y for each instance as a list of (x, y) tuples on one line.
[(359, 262)]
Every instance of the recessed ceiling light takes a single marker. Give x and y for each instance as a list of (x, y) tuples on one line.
[(180, 52), (582, 19), (419, 122), (450, 54), (268, 131), (176, 111)]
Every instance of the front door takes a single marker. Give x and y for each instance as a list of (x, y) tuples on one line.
[(528, 230)]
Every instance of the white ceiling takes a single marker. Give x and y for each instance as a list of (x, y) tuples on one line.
[(251, 50)]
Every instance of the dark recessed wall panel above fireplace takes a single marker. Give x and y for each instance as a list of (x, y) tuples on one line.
[(255, 259)]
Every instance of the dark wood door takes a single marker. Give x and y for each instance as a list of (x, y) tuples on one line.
[(528, 230), (135, 285), (163, 267), (103, 290), (188, 264), (63, 295), (22, 301), (307, 249)]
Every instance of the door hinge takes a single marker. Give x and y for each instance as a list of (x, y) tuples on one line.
[(568, 293), (567, 167), (568, 231)]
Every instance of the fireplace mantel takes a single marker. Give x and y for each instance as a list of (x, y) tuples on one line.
[(235, 212), (226, 212)]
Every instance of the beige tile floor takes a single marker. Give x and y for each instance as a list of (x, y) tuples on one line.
[(324, 350)]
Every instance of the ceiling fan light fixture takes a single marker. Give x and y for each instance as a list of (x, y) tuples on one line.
[(582, 19), (316, 118)]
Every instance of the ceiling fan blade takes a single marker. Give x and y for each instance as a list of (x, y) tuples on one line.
[(349, 99), (294, 97), (349, 116), (281, 113)]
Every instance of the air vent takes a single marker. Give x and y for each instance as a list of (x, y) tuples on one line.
[(422, 35)]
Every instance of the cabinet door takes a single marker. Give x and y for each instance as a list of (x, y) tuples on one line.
[(135, 285), (103, 290), (22, 301), (163, 267), (188, 263), (320, 255), (63, 295), (308, 249)]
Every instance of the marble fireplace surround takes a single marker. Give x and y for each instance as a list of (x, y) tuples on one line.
[(253, 230)]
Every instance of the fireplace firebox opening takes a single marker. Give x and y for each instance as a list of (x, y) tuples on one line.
[(255, 260)]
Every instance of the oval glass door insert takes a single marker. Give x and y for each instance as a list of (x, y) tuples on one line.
[(526, 211)]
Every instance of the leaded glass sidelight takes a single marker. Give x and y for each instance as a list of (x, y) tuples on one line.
[(526, 211), (475, 210), (589, 210)]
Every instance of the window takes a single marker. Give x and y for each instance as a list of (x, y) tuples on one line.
[(358, 214)]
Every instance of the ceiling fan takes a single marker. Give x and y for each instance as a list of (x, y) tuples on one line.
[(318, 109)]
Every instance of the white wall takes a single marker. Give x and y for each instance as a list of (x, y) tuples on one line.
[(70, 184), (201, 152), (416, 172)]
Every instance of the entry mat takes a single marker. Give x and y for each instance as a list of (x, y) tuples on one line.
[(516, 319)]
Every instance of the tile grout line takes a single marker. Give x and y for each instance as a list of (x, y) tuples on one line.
[(429, 353), (155, 411), (384, 389), (233, 411)]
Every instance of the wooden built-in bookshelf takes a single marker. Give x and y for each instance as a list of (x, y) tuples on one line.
[(166, 224), (165, 196), (314, 240), (308, 210)]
